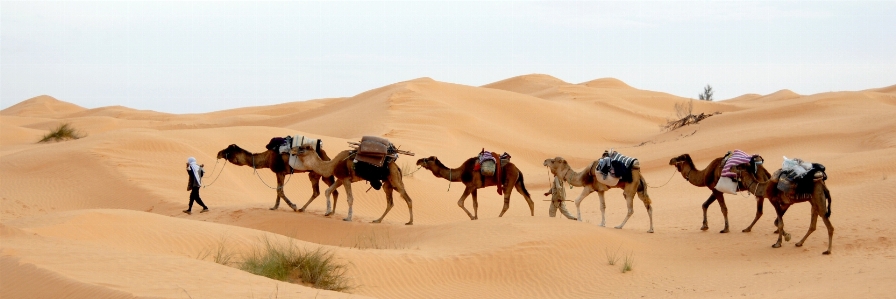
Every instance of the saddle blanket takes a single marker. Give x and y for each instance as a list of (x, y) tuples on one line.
[(737, 157)]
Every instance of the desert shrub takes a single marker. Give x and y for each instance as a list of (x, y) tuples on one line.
[(707, 93), (63, 132), (316, 268)]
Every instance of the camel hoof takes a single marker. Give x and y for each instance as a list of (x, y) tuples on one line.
[(328, 214), (704, 228), (294, 208), (787, 237), (650, 231), (409, 223), (618, 227), (747, 230), (376, 221), (574, 219), (347, 219), (476, 218), (724, 231), (827, 252), (301, 210), (776, 245), (274, 208), (799, 244)]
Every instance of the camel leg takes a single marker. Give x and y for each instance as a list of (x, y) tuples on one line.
[(721, 199), (460, 202), (780, 223), (279, 187), (827, 222), (327, 193), (709, 201), (280, 193), (475, 204), (387, 188), (603, 209), (649, 207), (519, 189), (629, 201), (585, 191), (506, 203), (315, 189), (811, 227), (759, 201), (347, 183), (407, 199)]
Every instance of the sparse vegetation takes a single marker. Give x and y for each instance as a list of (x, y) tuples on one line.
[(408, 169), (374, 240), (612, 257), (220, 254), (684, 115), (707, 93), (63, 132), (315, 268), (629, 262)]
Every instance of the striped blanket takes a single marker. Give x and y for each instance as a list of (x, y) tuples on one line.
[(737, 157), (615, 156)]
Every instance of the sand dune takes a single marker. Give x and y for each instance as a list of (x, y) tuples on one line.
[(99, 217)]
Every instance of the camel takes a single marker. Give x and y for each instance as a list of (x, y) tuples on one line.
[(268, 159), (560, 168), (512, 177), (343, 168), (783, 200), (709, 177)]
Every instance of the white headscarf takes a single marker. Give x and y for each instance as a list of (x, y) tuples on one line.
[(195, 168)]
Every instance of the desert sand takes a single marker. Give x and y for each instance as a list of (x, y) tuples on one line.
[(100, 217)]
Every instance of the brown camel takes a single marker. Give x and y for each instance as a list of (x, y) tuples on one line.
[(709, 177), (343, 167), (280, 166), (783, 200), (560, 168), (511, 177)]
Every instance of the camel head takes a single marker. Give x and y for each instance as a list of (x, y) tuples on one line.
[(556, 165), (303, 151), (425, 162), (231, 152), (680, 160), (743, 169)]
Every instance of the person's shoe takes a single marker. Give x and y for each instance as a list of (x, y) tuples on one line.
[(204, 210), (188, 212)]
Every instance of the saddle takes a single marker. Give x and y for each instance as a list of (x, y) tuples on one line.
[(374, 150), (487, 165)]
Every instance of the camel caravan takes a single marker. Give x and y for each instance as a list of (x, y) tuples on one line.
[(372, 159)]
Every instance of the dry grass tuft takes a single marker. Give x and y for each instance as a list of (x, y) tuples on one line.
[(62, 132)]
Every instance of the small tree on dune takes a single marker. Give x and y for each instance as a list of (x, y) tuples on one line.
[(707, 93)]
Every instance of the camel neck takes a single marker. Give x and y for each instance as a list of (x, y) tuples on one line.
[(570, 176), (452, 175), (693, 175)]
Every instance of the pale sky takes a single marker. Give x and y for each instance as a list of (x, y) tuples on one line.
[(186, 57)]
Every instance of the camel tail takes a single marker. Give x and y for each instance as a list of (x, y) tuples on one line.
[(523, 186), (827, 194)]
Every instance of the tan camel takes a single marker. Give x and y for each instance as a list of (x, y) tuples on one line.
[(280, 166), (511, 177), (782, 201), (560, 168), (709, 177), (342, 166)]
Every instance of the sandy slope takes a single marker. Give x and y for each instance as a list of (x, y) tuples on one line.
[(100, 217)]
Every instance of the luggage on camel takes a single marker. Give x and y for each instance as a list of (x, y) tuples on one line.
[(798, 176), (614, 167), (487, 165), (296, 141), (374, 154), (728, 183)]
